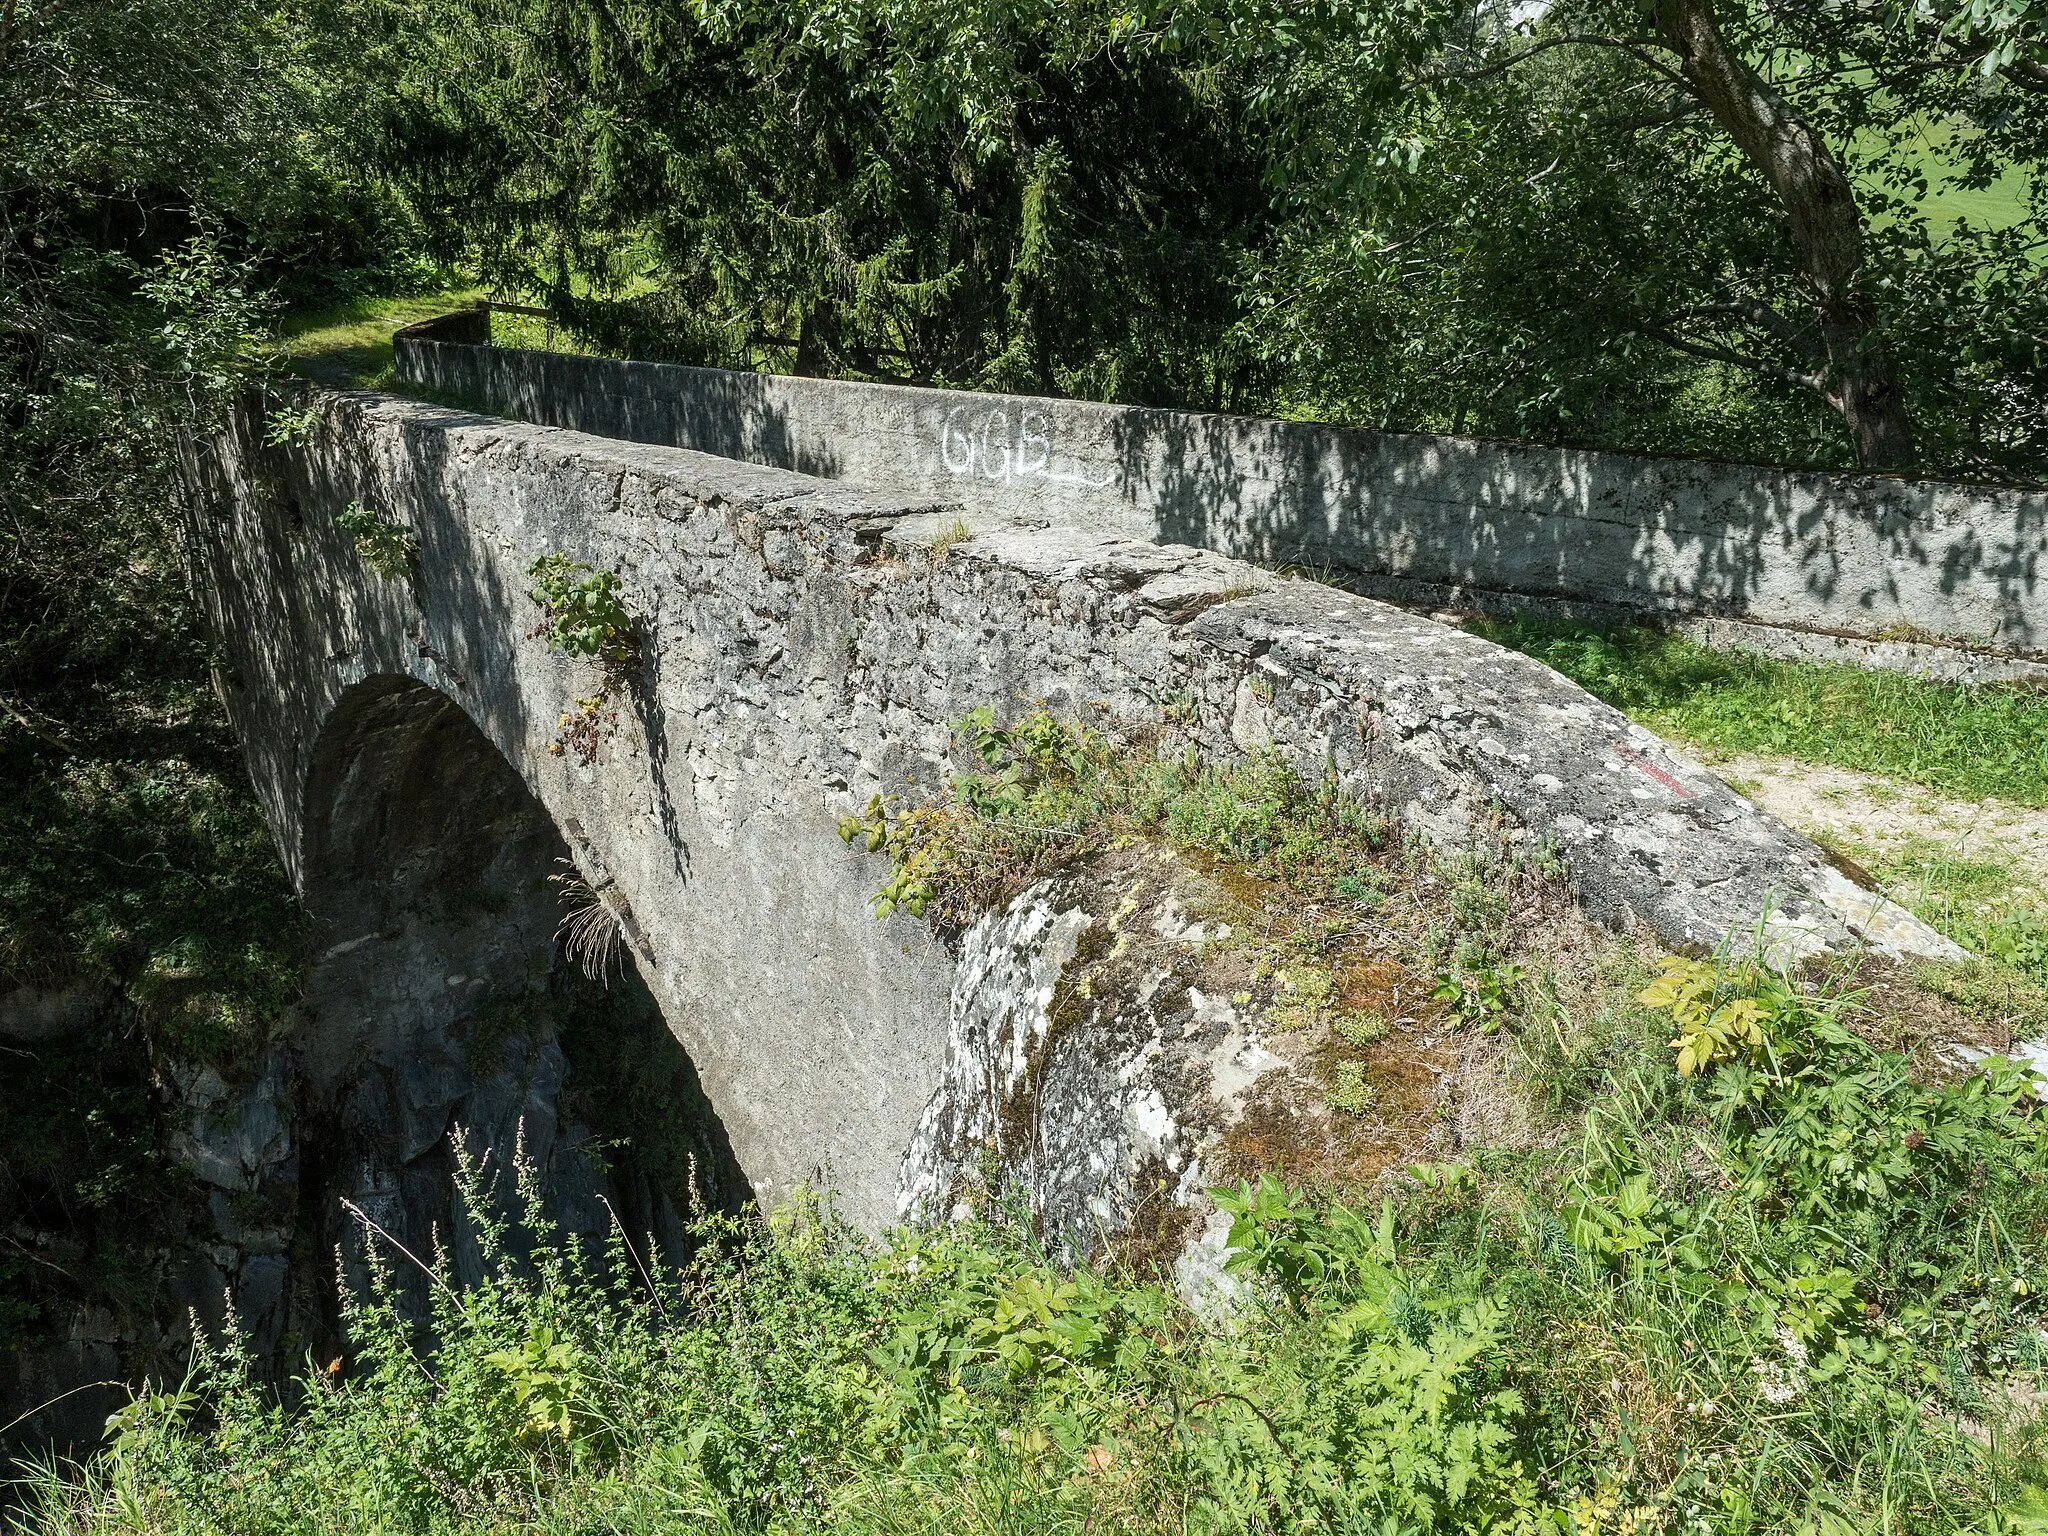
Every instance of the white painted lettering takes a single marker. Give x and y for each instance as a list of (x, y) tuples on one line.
[(982, 445), (965, 464)]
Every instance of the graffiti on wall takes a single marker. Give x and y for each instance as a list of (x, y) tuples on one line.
[(985, 446)]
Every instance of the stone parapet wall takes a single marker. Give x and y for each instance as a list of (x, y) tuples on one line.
[(1407, 516)]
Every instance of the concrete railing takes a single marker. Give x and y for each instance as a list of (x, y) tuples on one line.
[(1419, 518)]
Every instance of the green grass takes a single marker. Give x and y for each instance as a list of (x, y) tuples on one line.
[(1986, 906), (350, 344), (1998, 206), (1969, 742), (1794, 1299)]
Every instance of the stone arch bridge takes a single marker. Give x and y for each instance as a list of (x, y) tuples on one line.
[(802, 646)]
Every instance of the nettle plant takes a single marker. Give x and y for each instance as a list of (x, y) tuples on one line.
[(385, 545), (582, 615)]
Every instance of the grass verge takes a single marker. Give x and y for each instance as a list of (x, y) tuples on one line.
[(1970, 742), (1784, 1277), (348, 345)]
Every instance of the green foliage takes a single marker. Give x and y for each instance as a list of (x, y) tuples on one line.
[(387, 546), (583, 615), (1724, 1013), (1482, 995), (1739, 1300), (545, 1377), (154, 876), (1423, 215), (140, 883), (1843, 1234), (170, 178), (928, 192), (81, 1161), (288, 426), (1973, 742), (1045, 791), (1358, 1028), (581, 612), (1989, 907), (799, 1379), (1351, 1092), (913, 856), (1621, 265), (1411, 1423)]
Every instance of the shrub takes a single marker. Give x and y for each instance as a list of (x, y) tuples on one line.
[(581, 612), (386, 546)]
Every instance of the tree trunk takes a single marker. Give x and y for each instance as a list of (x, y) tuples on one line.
[(1827, 229), (811, 358)]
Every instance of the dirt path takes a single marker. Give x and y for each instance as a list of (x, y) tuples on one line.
[(1888, 817)]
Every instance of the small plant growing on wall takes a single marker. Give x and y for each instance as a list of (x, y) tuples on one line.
[(582, 615), (289, 427), (386, 545), (589, 932)]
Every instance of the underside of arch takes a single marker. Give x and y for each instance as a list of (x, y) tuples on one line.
[(445, 1015)]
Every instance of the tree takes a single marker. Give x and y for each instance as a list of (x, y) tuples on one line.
[(913, 190), (1821, 112), (1847, 361), (1708, 225), (164, 167)]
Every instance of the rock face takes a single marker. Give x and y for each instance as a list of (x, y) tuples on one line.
[(801, 647), (1087, 1066)]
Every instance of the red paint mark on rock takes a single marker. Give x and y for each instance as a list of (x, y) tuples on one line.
[(1654, 772)]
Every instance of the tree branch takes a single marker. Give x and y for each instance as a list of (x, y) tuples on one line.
[(1817, 383), (1632, 46), (1761, 314), (1677, 112), (2028, 75)]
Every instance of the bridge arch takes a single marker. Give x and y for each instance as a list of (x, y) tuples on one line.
[(797, 658), (444, 1006)]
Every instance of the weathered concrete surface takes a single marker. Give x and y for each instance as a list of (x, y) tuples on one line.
[(1095, 1058), (1442, 521), (802, 649)]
